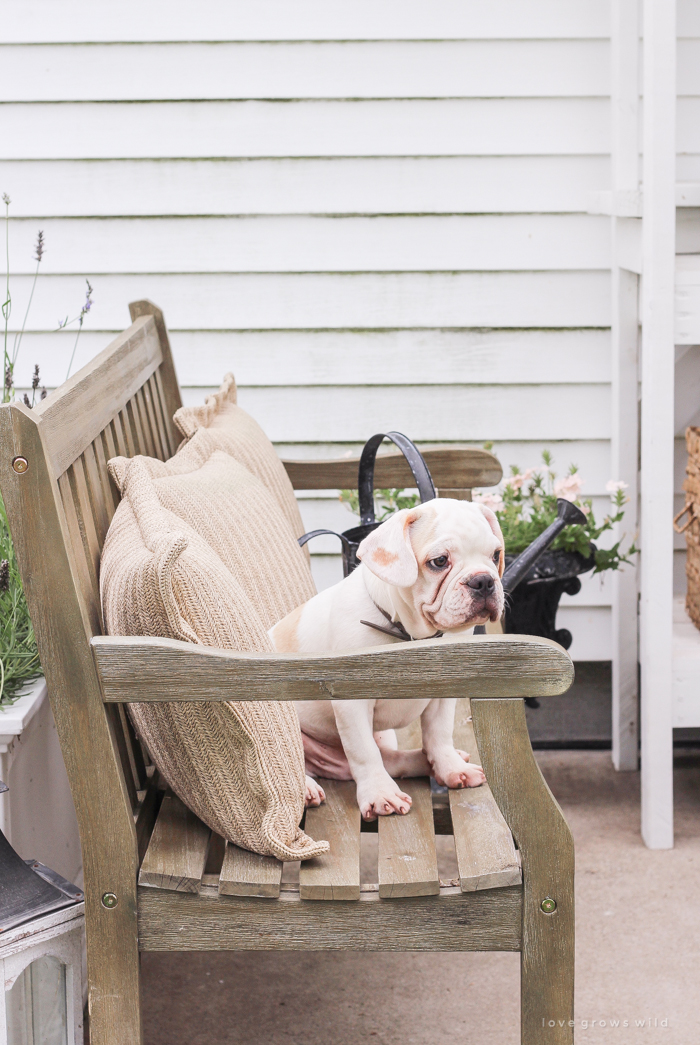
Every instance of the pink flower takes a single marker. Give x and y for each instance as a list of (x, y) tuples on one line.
[(569, 487), (494, 501), (613, 485), (516, 481)]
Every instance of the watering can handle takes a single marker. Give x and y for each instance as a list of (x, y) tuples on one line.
[(424, 482), (301, 541)]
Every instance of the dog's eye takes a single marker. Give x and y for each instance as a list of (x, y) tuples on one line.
[(439, 563), (497, 556)]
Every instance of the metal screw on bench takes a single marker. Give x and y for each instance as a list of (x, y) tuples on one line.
[(109, 900), (20, 464), (548, 905)]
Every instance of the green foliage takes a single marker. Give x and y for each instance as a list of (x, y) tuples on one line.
[(527, 505), (386, 502), (19, 658)]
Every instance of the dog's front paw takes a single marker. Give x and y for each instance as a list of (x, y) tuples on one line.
[(315, 794), (382, 798), (452, 770)]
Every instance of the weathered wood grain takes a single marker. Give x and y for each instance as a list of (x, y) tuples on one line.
[(453, 466), (486, 853), (177, 851), (334, 875), (165, 376), (148, 669), (248, 874), (452, 921), (547, 850), (76, 413), (407, 855), (48, 552)]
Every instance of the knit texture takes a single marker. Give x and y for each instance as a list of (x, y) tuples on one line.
[(239, 765), (238, 518), (239, 435)]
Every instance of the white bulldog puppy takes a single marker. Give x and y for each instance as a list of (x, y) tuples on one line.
[(425, 571)]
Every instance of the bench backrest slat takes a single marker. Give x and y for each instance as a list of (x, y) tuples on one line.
[(119, 404)]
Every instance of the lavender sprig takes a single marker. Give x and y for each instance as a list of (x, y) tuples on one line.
[(87, 305), (39, 248)]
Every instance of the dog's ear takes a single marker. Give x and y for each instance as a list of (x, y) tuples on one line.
[(388, 553), (492, 520)]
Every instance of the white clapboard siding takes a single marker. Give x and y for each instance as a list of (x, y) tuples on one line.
[(452, 412), (688, 124), (110, 130), (361, 300), (79, 20), (317, 244), (394, 185), (688, 70), (374, 214), (352, 69), (344, 357)]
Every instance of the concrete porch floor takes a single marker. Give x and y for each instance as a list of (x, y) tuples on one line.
[(638, 950)]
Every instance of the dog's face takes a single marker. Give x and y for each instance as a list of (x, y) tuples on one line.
[(446, 557)]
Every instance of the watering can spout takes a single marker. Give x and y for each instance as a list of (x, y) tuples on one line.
[(567, 515)]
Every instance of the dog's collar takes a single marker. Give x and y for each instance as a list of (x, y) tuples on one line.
[(396, 628)]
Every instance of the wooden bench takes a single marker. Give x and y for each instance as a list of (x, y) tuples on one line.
[(155, 877)]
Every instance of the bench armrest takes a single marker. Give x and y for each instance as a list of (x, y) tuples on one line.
[(134, 669), (452, 468)]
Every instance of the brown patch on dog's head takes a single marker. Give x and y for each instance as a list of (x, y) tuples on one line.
[(388, 552), (382, 557)]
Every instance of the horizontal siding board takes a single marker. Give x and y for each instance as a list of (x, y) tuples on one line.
[(451, 412), (395, 357), (472, 127), (452, 185), (362, 301), (591, 627), (688, 67), (317, 244), (688, 124), (78, 20), (376, 69)]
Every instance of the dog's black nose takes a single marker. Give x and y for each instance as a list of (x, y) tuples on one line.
[(482, 582)]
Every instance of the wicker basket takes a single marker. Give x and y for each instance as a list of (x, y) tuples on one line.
[(691, 526)]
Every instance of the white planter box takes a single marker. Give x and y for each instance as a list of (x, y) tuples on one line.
[(37, 815)]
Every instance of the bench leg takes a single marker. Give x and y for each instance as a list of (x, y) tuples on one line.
[(547, 851), (114, 1004)]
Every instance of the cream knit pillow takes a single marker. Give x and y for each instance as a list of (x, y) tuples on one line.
[(238, 518), (239, 435), (239, 765)]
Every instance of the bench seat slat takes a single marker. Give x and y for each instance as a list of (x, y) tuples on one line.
[(407, 854), (486, 853), (248, 874), (334, 875), (177, 852)]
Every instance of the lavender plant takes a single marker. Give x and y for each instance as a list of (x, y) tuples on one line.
[(19, 657)]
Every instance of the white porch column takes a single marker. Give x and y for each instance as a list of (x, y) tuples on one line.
[(657, 427)]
